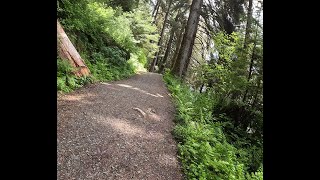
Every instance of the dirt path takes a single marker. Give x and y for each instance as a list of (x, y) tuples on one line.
[(102, 133)]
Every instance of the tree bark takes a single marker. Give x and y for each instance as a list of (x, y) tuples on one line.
[(178, 45), (251, 63), (154, 62), (251, 66), (67, 51), (155, 11), (164, 61), (250, 72), (188, 39), (246, 42), (156, 8), (248, 26), (165, 58)]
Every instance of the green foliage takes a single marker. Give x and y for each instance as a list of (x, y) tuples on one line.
[(226, 72), (256, 175), (116, 27), (226, 93), (226, 76), (144, 31), (64, 68), (204, 147), (102, 70), (115, 38), (127, 5), (93, 26), (113, 55), (66, 80)]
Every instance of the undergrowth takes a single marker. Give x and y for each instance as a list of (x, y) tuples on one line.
[(66, 80), (203, 147), (114, 43), (100, 71)]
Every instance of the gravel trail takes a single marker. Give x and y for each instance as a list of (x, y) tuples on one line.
[(118, 130)]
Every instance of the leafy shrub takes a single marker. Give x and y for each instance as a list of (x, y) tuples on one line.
[(114, 44), (115, 56), (204, 149), (66, 80)]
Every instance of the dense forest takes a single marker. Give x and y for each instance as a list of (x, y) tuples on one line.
[(210, 53)]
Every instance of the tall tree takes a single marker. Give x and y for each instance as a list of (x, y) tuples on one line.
[(168, 49), (185, 51), (156, 10), (246, 42), (250, 68), (178, 42), (168, 46), (248, 26), (154, 62)]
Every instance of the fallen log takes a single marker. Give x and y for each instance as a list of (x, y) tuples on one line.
[(67, 51)]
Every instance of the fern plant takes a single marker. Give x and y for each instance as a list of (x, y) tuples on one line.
[(204, 149)]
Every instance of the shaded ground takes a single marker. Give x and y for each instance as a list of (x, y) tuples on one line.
[(103, 133)]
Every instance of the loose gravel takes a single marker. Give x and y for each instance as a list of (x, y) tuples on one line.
[(117, 130)]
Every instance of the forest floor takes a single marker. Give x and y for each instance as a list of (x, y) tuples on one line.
[(117, 130)]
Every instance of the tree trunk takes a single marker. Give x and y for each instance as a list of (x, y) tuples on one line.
[(165, 58), (156, 8), (188, 39), (164, 61), (155, 11), (154, 62), (68, 52), (251, 66), (178, 45), (250, 74), (248, 26), (246, 42), (251, 63)]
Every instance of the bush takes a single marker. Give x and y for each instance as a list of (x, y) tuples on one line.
[(114, 44), (66, 80), (204, 149)]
